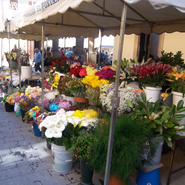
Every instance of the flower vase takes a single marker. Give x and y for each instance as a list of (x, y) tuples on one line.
[(93, 95), (13, 64), (23, 114), (86, 173), (9, 107), (82, 102), (36, 130), (26, 72), (62, 159), (113, 180), (69, 98), (152, 93), (177, 96)]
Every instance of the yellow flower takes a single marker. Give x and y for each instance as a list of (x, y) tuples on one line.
[(165, 95)]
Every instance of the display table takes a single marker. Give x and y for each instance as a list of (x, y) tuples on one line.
[(35, 77)]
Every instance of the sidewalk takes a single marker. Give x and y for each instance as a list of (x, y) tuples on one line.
[(25, 159)]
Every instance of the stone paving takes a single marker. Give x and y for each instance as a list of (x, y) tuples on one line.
[(26, 160)]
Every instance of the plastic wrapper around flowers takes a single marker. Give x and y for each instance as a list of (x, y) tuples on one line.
[(93, 95)]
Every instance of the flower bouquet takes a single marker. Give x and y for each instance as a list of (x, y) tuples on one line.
[(75, 69), (32, 115), (89, 64), (61, 65), (106, 74), (153, 74), (61, 127), (93, 88), (24, 57), (62, 86), (124, 94), (77, 88)]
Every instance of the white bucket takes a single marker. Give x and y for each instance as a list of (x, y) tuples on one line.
[(177, 96), (72, 99), (26, 72), (152, 93), (62, 160)]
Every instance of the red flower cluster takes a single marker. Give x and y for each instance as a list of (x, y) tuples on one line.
[(151, 74), (75, 69), (83, 72), (150, 70), (106, 73)]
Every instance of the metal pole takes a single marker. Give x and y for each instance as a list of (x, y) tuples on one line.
[(115, 99), (1, 51), (42, 83), (9, 53), (19, 61), (100, 36)]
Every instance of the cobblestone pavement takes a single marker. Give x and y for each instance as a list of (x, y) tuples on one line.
[(25, 159)]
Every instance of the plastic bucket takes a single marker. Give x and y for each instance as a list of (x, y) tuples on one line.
[(153, 93), (149, 178), (26, 72), (36, 130), (62, 159), (9, 107), (18, 113)]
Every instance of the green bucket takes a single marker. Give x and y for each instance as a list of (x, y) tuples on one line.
[(18, 113)]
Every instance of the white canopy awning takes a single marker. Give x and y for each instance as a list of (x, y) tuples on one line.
[(85, 17)]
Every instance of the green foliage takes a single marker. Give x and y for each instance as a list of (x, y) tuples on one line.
[(162, 119), (82, 146), (173, 60), (5, 97), (69, 132), (129, 137), (62, 88)]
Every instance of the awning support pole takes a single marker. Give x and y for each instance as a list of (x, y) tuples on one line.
[(1, 51), (9, 54), (19, 62), (115, 99), (42, 83), (100, 36)]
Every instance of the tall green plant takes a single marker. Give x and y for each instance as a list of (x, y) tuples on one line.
[(129, 137), (163, 120)]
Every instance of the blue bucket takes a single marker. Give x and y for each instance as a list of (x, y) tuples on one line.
[(149, 178), (36, 130)]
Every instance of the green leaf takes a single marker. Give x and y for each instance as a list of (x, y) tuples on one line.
[(129, 103), (141, 104), (158, 122), (175, 120), (179, 116), (181, 110), (143, 96), (156, 106), (153, 125), (165, 116), (169, 125), (169, 143), (180, 104)]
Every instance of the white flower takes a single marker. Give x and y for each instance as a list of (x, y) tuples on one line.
[(52, 132), (73, 120)]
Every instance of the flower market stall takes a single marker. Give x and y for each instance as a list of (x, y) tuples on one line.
[(156, 24)]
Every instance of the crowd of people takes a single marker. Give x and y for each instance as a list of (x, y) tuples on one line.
[(105, 59)]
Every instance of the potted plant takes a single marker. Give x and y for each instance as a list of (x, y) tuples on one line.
[(129, 137), (11, 57), (163, 121), (152, 77), (59, 131), (81, 148), (31, 117), (77, 88), (9, 106), (93, 88), (60, 65), (63, 88), (26, 69)]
